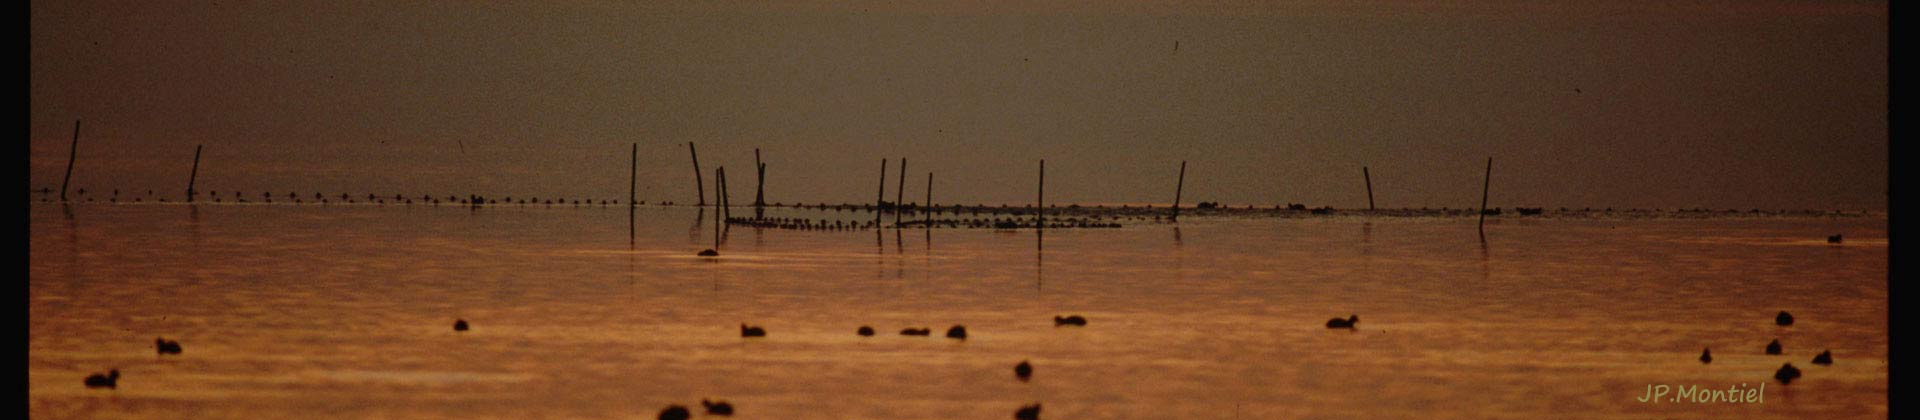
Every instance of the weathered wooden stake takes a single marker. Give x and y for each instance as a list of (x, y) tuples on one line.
[(1369, 178), (1040, 200), (760, 184), (900, 195), (928, 215), (1179, 188), (759, 211), (727, 211), (71, 154), (1485, 189), (698, 185), (633, 176), (195, 174), (880, 199)]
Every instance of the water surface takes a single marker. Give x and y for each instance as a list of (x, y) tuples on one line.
[(346, 311)]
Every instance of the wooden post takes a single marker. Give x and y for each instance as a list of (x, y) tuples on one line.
[(900, 195), (71, 154), (195, 174), (1369, 178), (1179, 188), (726, 212), (760, 185), (759, 211), (716, 210), (633, 176), (880, 199), (698, 185), (1040, 200), (1485, 188), (929, 213)]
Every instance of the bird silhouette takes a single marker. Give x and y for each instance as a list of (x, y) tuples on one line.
[(1343, 323), (1787, 374), (1069, 320), (746, 331), (717, 408), (162, 346), (675, 412), (109, 380), (1031, 412)]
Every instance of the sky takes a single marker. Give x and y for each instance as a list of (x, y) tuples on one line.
[(1630, 104)]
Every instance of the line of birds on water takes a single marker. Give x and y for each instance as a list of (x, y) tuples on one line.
[(1022, 371), (1787, 373)]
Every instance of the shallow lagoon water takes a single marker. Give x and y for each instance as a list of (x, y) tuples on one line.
[(346, 311)]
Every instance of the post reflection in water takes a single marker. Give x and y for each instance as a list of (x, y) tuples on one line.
[(699, 219), (1039, 259), (1366, 238)]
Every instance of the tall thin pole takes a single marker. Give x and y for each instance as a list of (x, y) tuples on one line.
[(1485, 188), (1040, 200), (71, 154), (880, 198), (633, 175), (698, 185), (759, 185), (1369, 178), (716, 210), (759, 202), (725, 208), (195, 174), (900, 195), (928, 216), (1179, 188)]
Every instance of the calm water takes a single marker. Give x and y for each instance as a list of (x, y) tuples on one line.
[(346, 311)]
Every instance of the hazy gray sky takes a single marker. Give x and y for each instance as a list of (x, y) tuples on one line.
[(1735, 104)]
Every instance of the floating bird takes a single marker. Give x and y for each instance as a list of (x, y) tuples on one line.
[(1825, 358), (717, 408), (957, 331), (1706, 356), (746, 331), (1069, 320), (916, 331), (1023, 371), (459, 325), (109, 380), (866, 331), (1784, 319), (1774, 347), (709, 253), (1031, 412), (166, 347), (675, 412), (1343, 323), (1833, 239), (1787, 374)]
